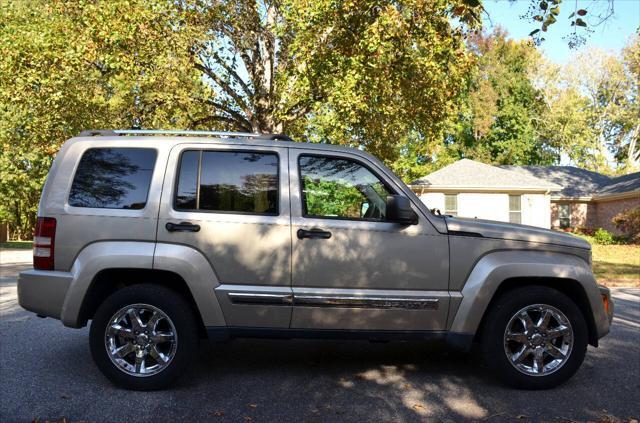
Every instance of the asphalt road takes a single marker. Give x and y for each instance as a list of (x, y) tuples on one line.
[(47, 373)]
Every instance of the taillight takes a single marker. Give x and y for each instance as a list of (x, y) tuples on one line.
[(43, 243)]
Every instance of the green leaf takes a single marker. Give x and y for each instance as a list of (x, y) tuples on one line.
[(544, 5), (555, 10), (532, 33), (538, 18), (580, 22), (472, 3)]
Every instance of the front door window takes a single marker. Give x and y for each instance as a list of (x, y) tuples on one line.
[(342, 189)]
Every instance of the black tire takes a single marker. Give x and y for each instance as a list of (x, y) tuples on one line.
[(170, 303), (495, 325)]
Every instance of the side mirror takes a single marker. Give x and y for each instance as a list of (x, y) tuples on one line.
[(399, 210)]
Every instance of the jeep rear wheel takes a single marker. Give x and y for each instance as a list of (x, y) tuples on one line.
[(534, 338), (143, 336)]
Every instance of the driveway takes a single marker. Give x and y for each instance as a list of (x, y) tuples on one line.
[(47, 374)]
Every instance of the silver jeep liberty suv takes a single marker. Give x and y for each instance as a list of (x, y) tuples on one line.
[(162, 238)]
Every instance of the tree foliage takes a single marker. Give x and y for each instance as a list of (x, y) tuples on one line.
[(362, 73), (69, 66), (581, 17), (359, 72), (500, 119), (592, 111), (407, 81)]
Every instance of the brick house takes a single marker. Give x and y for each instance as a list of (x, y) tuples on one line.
[(555, 197), (588, 199)]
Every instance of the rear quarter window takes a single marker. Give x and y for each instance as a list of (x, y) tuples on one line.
[(113, 178)]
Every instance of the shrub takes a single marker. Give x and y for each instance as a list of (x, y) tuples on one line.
[(586, 231), (603, 237), (629, 223)]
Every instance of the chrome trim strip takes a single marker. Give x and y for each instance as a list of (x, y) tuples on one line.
[(366, 302), (265, 299)]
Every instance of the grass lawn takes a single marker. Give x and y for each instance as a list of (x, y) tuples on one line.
[(23, 245), (617, 265)]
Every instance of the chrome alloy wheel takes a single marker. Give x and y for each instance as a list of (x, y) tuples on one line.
[(141, 340), (538, 340)]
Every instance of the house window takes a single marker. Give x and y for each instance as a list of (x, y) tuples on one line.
[(564, 215), (451, 204), (515, 208)]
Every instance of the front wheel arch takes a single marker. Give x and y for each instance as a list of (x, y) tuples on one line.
[(569, 287)]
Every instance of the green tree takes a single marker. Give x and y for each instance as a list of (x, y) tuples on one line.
[(499, 121), (69, 66), (361, 72), (366, 73), (592, 114)]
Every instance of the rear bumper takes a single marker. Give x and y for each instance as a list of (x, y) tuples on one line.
[(43, 292)]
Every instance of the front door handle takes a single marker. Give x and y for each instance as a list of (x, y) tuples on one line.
[(314, 233), (182, 227)]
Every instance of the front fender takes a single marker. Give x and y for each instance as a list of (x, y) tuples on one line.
[(495, 268)]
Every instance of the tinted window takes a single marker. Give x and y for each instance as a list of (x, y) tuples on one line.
[(188, 181), (333, 187), (113, 178), (229, 182)]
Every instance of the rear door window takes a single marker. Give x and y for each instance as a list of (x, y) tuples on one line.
[(228, 181), (113, 178)]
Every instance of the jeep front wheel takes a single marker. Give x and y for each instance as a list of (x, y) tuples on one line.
[(534, 338)]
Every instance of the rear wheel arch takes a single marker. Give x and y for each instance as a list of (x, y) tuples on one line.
[(570, 287), (108, 281)]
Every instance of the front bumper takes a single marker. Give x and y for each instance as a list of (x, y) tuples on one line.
[(43, 292)]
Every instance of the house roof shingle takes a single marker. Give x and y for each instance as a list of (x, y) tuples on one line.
[(467, 173), (578, 182), (622, 184)]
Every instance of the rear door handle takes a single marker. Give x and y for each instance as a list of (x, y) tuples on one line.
[(314, 233), (182, 227)]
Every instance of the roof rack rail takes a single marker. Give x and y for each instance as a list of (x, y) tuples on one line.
[(223, 134)]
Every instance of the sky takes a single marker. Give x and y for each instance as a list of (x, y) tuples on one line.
[(612, 35)]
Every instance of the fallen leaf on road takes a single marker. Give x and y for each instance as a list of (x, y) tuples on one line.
[(253, 405), (420, 406), (218, 413), (522, 416)]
